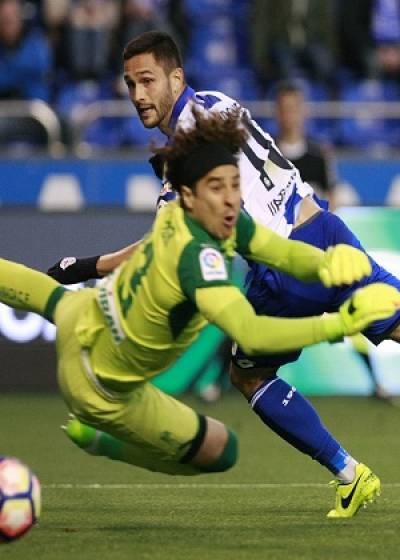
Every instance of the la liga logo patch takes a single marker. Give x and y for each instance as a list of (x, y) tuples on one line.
[(212, 265)]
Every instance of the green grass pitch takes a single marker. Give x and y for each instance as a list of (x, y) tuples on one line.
[(272, 505)]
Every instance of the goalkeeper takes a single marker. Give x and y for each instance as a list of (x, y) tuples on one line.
[(111, 340)]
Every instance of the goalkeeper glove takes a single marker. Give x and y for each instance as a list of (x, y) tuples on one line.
[(71, 270), (343, 264), (368, 304)]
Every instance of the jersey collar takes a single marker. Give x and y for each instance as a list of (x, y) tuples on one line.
[(227, 246), (180, 103), (198, 232)]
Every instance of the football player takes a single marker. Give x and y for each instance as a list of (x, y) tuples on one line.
[(274, 194)]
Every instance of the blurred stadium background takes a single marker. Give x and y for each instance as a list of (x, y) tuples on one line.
[(74, 176)]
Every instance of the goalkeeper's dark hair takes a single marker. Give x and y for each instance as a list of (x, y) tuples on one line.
[(160, 45), (217, 137)]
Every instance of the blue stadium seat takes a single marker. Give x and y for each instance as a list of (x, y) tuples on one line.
[(213, 45), (323, 129), (115, 132), (121, 132), (238, 83), (392, 94), (218, 28), (269, 125), (75, 94), (204, 11), (133, 133), (363, 130)]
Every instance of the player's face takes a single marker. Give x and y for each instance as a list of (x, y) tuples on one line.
[(290, 111), (151, 90), (215, 202)]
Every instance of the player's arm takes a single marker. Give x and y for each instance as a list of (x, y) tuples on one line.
[(71, 270), (341, 264), (107, 263), (204, 279), (226, 307)]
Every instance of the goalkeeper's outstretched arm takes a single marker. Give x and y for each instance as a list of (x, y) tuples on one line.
[(227, 308), (342, 264)]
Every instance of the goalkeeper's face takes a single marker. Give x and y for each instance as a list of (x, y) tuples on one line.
[(214, 202), (151, 90)]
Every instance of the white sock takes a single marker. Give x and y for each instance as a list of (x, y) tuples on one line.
[(348, 474)]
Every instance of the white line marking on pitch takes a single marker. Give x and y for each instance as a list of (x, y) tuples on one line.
[(194, 486)]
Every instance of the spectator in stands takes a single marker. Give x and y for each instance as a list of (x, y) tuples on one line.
[(297, 37), (25, 56), (313, 160), (54, 17), (369, 32), (138, 16), (25, 65), (89, 30), (354, 31), (385, 31)]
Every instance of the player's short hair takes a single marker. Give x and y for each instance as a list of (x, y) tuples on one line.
[(213, 134), (288, 86), (160, 45)]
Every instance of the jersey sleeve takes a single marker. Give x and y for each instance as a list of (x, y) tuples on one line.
[(245, 230), (228, 309), (201, 267), (296, 258)]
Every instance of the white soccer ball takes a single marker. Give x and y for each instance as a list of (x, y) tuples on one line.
[(20, 499)]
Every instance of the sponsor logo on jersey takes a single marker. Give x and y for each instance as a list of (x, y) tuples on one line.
[(275, 204), (66, 262), (347, 500), (105, 298), (212, 265), (289, 396)]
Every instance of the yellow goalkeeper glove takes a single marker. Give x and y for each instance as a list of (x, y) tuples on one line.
[(368, 304), (343, 264)]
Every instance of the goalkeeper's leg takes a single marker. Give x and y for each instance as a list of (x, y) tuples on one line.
[(143, 426), (215, 453), (27, 289)]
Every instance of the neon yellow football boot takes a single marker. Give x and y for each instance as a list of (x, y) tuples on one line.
[(82, 435), (93, 441), (350, 497)]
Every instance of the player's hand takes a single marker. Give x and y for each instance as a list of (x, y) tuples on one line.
[(368, 304), (71, 270), (343, 264)]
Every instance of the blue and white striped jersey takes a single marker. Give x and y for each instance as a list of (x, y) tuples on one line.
[(271, 185)]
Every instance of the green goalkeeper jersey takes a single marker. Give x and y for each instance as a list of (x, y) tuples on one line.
[(147, 313)]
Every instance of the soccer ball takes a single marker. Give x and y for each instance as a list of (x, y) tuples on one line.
[(20, 501)]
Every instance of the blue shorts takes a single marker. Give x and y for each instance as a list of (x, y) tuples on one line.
[(277, 294)]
